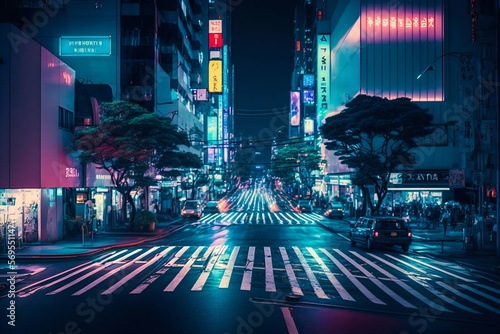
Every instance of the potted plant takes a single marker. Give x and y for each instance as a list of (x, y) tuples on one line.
[(146, 219)]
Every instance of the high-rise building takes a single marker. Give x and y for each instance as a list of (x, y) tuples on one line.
[(441, 54), (154, 53)]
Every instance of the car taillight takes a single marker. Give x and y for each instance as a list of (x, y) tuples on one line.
[(375, 234), (409, 234)]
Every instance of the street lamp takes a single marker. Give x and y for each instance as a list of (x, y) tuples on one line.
[(431, 67)]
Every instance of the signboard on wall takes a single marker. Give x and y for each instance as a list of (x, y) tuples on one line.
[(323, 77), (85, 46), (294, 108), (397, 43), (215, 76)]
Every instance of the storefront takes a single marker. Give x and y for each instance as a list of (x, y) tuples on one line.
[(428, 187)]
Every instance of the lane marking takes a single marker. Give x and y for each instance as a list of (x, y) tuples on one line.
[(268, 261), (125, 279), (368, 294), (216, 254), (183, 272), (310, 275), (331, 277), (290, 323), (112, 272), (246, 283), (403, 285), (291, 275), (226, 277)]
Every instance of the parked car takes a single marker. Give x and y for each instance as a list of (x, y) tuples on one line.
[(191, 208), (335, 210), (211, 207), (373, 231), (304, 205)]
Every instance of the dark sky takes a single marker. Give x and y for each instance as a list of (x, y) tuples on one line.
[(262, 54)]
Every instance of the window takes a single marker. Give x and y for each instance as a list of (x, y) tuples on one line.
[(66, 119)]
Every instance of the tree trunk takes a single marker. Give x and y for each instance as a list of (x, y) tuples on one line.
[(133, 210)]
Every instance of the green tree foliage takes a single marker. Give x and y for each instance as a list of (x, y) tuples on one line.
[(295, 164), (133, 145), (374, 136)]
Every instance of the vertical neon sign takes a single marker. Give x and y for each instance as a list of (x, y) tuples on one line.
[(323, 77)]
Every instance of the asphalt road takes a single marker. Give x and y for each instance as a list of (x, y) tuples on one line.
[(259, 267)]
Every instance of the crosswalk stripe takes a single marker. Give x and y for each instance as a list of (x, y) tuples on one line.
[(376, 281), (353, 279), (112, 272), (226, 277), (403, 285), (439, 269), (473, 300), (268, 261), (310, 275), (104, 264), (125, 279), (185, 269), (246, 283), (476, 291), (428, 287), (312, 265), (161, 271), (291, 275), (216, 254), (331, 277)]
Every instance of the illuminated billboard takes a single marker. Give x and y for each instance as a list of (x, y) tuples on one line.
[(85, 46), (215, 76), (215, 26), (294, 108), (397, 43), (323, 76), (308, 97), (308, 81), (215, 40)]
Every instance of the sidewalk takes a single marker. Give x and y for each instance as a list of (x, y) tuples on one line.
[(77, 246)]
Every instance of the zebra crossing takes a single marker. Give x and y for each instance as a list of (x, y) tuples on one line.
[(328, 274), (261, 218)]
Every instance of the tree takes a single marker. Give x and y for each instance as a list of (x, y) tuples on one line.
[(133, 145), (374, 136), (295, 164)]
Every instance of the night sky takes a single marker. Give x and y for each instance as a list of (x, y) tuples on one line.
[(262, 54)]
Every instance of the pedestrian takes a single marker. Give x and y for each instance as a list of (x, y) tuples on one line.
[(445, 217)]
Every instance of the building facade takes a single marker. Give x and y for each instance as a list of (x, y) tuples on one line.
[(154, 53), (441, 54)]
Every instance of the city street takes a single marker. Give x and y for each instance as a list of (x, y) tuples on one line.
[(253, 270)]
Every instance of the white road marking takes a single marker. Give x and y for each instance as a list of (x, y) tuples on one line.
[(290, 323), (353, 279), (219, 250), (226, 277), (377, 282), (403, 285), (112, 272), (291, 275), (331, 277), (125, 279), (185, 269), (473, 300), (270, 285), (246, 283), (310, 275)]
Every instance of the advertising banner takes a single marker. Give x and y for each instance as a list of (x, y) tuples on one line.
[(215, 76), (294, 108)]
